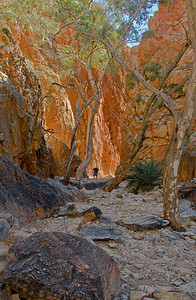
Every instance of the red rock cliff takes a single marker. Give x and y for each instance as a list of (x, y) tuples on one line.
[(160, 44), (168, 30)]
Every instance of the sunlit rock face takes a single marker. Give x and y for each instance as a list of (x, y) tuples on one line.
[(34, 73), (57, 111), (60, 153), (20, 125), (16, 127), (160, 44), (29, 104)]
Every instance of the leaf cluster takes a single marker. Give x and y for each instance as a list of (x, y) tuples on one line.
[(32, 13), (145, 176), (122, 12), (178, 93), (152, 71), (131, 81)]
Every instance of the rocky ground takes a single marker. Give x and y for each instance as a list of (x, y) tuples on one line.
[(154, 263)]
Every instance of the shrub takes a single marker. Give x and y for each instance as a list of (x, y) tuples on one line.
[(145, 176), (131, 81), (148, 34), (152, 71)]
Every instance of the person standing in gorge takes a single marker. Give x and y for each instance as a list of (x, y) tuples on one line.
[(75, 170), (96, 170)]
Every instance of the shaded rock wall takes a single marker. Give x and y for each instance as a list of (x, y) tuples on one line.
[(187, 168)]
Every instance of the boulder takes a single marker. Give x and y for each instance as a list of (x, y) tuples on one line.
[(90, 214), (27, 197), (4, 228), (107, 221), (95, 184), (13, 222), (97, 232), (68, 210), (74, 191), (142, 223), (54, 265), (187, 210)]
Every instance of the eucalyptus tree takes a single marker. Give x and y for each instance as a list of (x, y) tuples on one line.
[(95, 60), (182, 119), (182, 123), (100, 19)]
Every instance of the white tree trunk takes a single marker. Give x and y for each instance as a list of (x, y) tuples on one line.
[(89, 143), (170, 179), (181, 128)]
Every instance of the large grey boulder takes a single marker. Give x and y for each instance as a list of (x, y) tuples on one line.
[(28, 197), (54, 265)]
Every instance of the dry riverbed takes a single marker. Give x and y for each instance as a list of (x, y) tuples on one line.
[(155, 264)]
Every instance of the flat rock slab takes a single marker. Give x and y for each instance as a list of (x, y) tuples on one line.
[(142, 223), (54, 265), (96, 232), (93, 185), (172, 294)]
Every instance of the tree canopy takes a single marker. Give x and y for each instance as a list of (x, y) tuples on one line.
[(106, 19)]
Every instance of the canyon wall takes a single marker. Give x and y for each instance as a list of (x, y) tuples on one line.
[(23, 107), (16, 127), (168, 31), (32, 71)]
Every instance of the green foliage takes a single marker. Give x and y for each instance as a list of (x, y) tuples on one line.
[(148, 34), (139, 99), (189, 64), (6, 31), (178, 93), (35, 13), (1, 45), (145, 176), (103, 19), (121, 13), (100, 57), (188, 139), (152, 71), (131, 81), (164, 2)]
